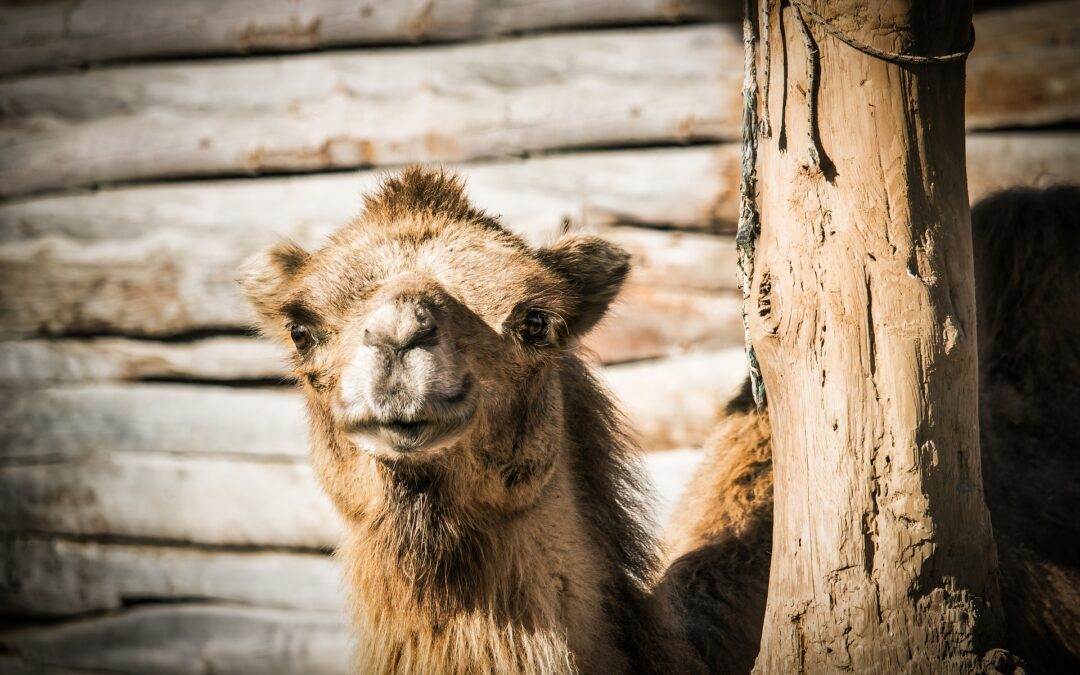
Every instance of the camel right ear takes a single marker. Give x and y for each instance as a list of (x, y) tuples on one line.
[(594, 269), (266, 278)]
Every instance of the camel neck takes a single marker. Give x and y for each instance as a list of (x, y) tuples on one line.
[(434, 582)]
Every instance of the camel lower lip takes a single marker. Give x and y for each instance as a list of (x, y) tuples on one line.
[(448, 416), (400, 436), (407, 428), (394, 428)]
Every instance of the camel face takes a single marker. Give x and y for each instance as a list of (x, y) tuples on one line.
[(438, 328), (425, 329)]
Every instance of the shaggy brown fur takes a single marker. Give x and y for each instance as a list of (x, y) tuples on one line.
[(491, 498), (1027, 244), (1028, 292), (721, 544)]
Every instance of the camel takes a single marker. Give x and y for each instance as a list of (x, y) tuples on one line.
[(493, 504), (1028, 298), (492, 501)]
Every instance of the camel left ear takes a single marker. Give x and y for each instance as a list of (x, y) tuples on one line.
[(266, 279), (594, 270)]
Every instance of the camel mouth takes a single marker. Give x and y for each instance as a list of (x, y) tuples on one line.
[(442, 421)]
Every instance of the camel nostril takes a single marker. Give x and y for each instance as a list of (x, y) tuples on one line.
[(401, 326), (424, 336)]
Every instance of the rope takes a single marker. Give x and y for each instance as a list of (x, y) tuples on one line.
[(766, 58), (749, 219), (883, 55)]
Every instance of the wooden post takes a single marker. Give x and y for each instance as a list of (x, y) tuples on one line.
[(861, 311)]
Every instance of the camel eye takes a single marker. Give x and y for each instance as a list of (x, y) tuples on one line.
[(534, 329), (301, 336)]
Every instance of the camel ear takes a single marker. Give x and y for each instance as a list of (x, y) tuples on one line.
[(266, 279), (594, 270)]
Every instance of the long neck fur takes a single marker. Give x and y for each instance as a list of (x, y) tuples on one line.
[(442, 585)]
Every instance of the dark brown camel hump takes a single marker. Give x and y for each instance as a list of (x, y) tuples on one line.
[(1026, 245)]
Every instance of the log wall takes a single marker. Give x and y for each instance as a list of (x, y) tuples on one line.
[(156, 510)]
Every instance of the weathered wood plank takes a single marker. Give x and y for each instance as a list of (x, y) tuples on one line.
[(161, 260), (1002, 91), (94, 422), (370, 108), (998, 161), (675, 403), (57, 577), (189, 640), (1014, 29), (53, 286), (13, 665), (34, 362), (672, 402), (646, 323), (174, 282), (651, 323), (691, 187), (177, 499), (455, 103), (64, 33), (683, 188)]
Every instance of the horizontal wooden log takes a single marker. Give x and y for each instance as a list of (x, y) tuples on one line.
[(1019, 73), (190, 500), (695, 187), (26, 363), (646, 323), (56, 577), (89, 422), (63, 33), (672, 402), (691, 187), (455, 103), (170, 498), (685, 188), (650, 323), (1002, 91), (187, 640), (158, 285), (1036, 159), (1023, 24), (158, 261), (59, 577), (675, 402), (304, 113), (13, 665), (174, 282)]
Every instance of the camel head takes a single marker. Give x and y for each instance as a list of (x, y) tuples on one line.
[(424, 333)]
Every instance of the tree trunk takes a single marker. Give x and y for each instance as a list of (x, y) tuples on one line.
[(862, 315)]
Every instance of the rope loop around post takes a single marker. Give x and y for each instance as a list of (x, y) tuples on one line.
[(892, 57)]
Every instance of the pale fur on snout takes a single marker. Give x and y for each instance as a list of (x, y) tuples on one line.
[(381, 383)]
